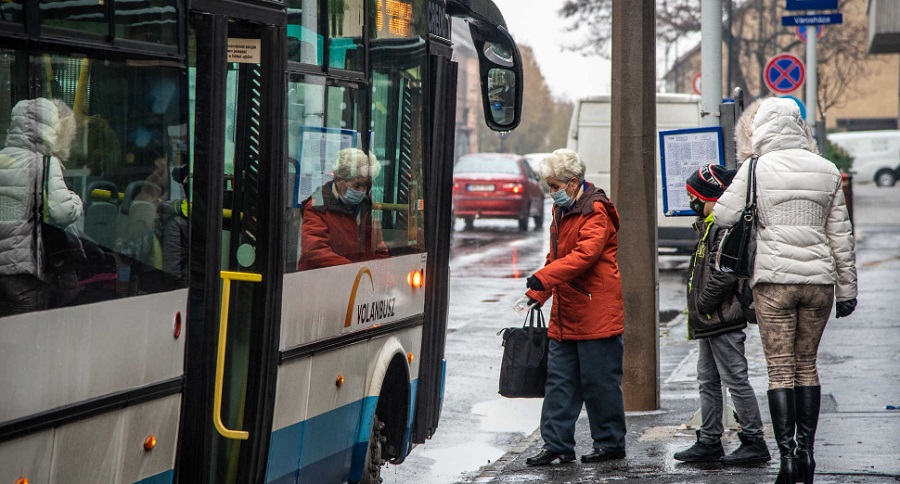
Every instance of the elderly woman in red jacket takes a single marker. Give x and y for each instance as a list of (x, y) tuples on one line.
[(586, 321), (337, 223)]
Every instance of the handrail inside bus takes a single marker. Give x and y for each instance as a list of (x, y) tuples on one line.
[(103, 194), (227, 277)]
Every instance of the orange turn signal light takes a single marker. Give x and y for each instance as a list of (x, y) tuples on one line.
[(339, 381), (409, 357), (23, 480), (150, 443), (416, 278), (177, 325)]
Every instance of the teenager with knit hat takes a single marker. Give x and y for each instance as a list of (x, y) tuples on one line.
[(716, 320)]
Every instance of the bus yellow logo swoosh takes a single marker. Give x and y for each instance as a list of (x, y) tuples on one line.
[(364, 270)]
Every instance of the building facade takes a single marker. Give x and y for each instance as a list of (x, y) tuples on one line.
[(871, 100)]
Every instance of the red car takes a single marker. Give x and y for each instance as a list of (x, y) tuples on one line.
[(497, 185)]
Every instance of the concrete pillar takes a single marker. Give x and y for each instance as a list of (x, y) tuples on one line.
[(633, 171)]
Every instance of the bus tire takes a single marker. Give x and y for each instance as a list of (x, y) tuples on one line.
[(374, 454)]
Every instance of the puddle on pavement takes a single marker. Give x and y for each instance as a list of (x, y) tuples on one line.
[(503, 415), (451, 462)]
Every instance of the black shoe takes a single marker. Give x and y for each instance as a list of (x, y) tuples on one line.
[(545, 457), (700, 452), (600, 455), (752, 450)]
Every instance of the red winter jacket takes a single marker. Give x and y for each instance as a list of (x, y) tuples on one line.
[(333, 234), (582, 272)]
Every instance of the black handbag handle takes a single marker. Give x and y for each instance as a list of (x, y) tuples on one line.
[(536, 314), (750, 200)]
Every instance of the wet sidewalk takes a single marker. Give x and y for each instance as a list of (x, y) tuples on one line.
[(858, 439)]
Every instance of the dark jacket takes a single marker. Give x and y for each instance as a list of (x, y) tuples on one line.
[(582, 272), (713, 305), (333, 234)]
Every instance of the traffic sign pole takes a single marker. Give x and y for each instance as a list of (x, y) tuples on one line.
[(811, 80)]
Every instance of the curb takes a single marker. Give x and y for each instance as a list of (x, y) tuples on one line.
[(489, 472)]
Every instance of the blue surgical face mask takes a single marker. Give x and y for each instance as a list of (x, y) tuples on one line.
[(353, 197), (560, 197)]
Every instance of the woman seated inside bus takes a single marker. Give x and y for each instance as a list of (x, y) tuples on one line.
[(337, 225)]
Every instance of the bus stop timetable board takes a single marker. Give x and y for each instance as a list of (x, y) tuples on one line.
[(682, 152)]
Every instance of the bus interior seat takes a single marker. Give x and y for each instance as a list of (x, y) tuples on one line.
[(136, 218), (101, 214)]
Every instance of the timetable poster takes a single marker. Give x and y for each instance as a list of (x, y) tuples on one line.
[(682, 152)]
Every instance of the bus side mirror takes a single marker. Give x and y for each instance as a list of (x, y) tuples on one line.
[(501, 83), (500, 66)]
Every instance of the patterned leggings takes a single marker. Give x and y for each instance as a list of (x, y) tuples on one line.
[(792, 318)]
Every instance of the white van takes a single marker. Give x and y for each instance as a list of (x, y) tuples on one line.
[(876, 155), (589, 135)]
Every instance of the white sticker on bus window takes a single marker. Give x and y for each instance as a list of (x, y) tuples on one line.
[(246, 51)]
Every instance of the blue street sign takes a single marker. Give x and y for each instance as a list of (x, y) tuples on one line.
[(824, 19), (811, 5)]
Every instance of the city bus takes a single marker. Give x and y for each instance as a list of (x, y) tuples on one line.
[(193, 324)]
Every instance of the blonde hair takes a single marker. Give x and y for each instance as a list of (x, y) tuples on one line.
[(353, 162), (563, 165), (65, 130)]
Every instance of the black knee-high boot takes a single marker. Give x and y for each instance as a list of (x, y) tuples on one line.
[(808, 401), (781, 406)]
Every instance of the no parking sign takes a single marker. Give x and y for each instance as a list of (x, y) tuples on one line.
[(784, 73)]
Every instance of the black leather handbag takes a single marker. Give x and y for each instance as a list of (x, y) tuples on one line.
[(737, 250), (523, 371)]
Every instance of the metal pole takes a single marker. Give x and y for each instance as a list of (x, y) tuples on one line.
[(711, 61), (812, 81), (633, 171)]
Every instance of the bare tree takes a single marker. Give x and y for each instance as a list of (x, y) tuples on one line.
[(756, 36)]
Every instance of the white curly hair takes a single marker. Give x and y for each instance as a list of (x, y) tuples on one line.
[(353, 162), (563, 165)]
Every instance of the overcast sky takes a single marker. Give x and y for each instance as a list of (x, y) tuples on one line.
[(569, 74)]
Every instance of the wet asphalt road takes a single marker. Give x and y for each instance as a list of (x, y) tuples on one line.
[(478, 427), (488, 269)]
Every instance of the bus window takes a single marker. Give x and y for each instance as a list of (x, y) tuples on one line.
[(345, 35), (304, 42), (397, 118), (155, 22), (75, 15), (127, 165), (330, 220), (11, 11)]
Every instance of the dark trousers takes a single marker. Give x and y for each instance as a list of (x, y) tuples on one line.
[(585, 373), (22, 293)]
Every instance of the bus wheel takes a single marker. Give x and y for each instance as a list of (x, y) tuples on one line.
[(374, 460)]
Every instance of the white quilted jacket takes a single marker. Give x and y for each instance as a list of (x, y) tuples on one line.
[(804, 234)]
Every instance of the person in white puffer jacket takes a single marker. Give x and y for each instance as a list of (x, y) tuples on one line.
[(804, 262), (39, 128)]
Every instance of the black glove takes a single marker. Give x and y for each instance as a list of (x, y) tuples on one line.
[(845, 308), (534, 283), (536, 303)]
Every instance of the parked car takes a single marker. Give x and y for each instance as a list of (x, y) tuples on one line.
[(497, 185), (535, 160), (876, 155)]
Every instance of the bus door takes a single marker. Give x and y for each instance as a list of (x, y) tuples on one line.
[(237, 85)]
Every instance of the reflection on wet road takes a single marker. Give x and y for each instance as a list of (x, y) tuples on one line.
[(489, 265)]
